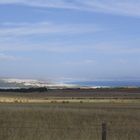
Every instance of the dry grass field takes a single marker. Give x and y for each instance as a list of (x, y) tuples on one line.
[(70, 120)]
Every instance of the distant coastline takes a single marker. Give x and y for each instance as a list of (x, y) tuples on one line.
[(17, 84)]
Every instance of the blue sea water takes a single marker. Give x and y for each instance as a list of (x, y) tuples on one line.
[(128, 83)]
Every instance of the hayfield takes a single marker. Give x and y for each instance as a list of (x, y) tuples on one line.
[(69, 121), (70, 114)]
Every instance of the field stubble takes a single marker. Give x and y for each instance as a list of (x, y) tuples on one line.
[(70, 120)]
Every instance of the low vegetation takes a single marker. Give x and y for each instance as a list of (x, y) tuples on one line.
[(69, 121), (69, 116)]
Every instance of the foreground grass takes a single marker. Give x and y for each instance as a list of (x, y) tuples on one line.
[(69, 121)]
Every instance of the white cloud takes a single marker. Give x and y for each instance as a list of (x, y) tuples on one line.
[(81, 62), (5, 57), (64, 47), (117, 47), (123, 7), (24, 29), (47, 47)]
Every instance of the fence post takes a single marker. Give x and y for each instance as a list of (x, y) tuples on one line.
[(104, 131)]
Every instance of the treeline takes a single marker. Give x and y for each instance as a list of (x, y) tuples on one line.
[(40, 89)]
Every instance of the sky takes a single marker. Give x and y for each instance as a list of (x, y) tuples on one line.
[(69, 40)]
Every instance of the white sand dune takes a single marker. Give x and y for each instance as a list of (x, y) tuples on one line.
[(37, 83)]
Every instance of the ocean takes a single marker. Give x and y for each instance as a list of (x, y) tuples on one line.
[(114, 83)]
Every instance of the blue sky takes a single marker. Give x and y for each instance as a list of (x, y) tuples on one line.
[(66, 40)]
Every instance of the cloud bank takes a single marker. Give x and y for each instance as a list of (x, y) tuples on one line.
[(121, 7)]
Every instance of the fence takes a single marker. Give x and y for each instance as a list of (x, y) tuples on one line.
[(23, 130)]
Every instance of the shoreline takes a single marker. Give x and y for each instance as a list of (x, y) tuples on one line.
[(70, 87)]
